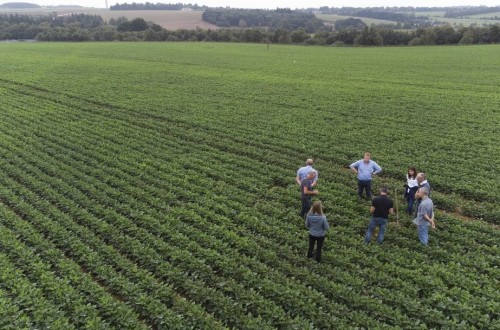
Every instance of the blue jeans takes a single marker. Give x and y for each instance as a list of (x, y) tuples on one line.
[(367, 185), (381, 223), (423, 234)]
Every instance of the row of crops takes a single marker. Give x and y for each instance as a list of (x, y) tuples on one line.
[(139, 192)]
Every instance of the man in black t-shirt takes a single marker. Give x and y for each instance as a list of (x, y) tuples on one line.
[(306, 192), (381, 207)]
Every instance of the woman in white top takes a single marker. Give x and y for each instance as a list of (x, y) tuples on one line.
[(411, 188)]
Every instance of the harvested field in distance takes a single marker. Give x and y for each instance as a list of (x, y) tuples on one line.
[(169, 19)]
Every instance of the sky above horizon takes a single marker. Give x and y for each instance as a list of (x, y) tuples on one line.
[(271, 4)]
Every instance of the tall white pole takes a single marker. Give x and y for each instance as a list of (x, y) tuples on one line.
[(106, 4)]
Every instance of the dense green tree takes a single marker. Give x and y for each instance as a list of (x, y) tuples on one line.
[(494, 35), (446, 35), (369, 37), (350, 23), (467, 38), (117, 21), (347, 36), (299, 36), (396, 38), (281, 36), (251, 35), (105, 33), (137, 24), (425, 36)]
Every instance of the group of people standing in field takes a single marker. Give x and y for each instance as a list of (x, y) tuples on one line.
[(417, 193)]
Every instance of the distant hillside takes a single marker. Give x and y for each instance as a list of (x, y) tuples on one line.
[(169, 19), (19, 5)]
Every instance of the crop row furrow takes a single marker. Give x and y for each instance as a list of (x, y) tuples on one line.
[(485, 210), (151, 116), (40, 175), (99, 264), (172, 251), (114, 310), (23, 303), (54, 288)]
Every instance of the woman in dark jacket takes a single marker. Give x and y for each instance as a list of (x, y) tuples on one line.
[(318, 226)]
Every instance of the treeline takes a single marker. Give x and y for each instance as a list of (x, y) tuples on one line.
[(440, 35), (81, 20), (81, 27), (74, 27), (467, 11), (155, 6), (277, 19)]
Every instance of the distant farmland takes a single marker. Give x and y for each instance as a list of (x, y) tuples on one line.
[(169, 19), (174, 19), (332, 18)]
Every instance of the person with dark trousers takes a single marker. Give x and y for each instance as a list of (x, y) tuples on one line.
[(382, 205), (365, 169), (306, 191), (318, 226), (411, 188)]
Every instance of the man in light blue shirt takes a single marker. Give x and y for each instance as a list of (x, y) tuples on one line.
[(365, 169), (303, 171)]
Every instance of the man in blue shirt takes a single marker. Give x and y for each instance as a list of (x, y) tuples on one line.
[(365, 169), (303, 171)]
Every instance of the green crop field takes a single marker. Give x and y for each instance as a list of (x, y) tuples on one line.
[(151, 185)]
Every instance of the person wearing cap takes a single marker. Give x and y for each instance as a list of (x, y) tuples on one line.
[(425, 215), (382, 205), (302, 173), (307, 192), (365, 168)]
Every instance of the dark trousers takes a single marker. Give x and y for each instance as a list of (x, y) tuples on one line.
[(411, 199), (312, 241), (367, 185), (306, 206)]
